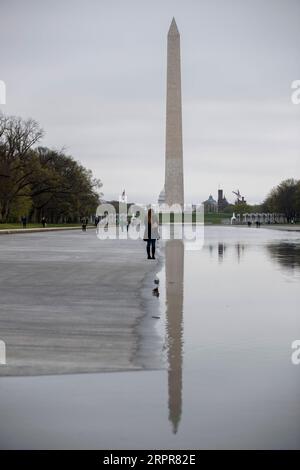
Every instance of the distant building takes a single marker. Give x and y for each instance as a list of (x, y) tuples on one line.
[(222, 201), (210, 205), (162, 197), (240, 201), (123, 196)]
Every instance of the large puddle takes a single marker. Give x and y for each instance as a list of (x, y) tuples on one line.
[(228, 316)]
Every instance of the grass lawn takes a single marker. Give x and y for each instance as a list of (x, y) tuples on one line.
[(18, 225), (210, 218), (216, 218)]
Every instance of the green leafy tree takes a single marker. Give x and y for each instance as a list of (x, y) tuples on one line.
[(66, 190), (39, 181), (284, 199)]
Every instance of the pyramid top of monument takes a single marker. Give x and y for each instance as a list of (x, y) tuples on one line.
[(173, 30)]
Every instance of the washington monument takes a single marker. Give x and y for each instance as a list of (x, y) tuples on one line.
[(174, 193)]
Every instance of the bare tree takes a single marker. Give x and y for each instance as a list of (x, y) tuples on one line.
[(17, 138)]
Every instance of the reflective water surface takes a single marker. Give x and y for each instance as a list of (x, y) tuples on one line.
[(228, 315)]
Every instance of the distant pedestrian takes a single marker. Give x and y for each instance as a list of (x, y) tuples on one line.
[(122, 222), (128, 222), (151, 233), (44, 222), (24, 221), (84, 223), (105, 221), (138, 221)]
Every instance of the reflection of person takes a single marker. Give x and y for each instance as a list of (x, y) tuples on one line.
[(151, 233)]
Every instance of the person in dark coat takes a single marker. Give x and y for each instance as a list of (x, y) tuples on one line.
[(24, 221), (84, 223), (151, 233)]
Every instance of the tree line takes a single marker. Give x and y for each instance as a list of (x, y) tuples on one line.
[(39, 182), (284, 199)]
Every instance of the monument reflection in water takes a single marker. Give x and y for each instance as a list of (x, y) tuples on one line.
[(174, 250)]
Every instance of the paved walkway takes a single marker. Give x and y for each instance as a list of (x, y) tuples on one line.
[(284, 227), (71, 302), (9, 231)]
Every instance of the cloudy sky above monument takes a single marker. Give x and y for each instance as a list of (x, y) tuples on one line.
[(93, 74)]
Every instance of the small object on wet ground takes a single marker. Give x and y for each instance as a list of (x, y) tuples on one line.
[(155, 291)]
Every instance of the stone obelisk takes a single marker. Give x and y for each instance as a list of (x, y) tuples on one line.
[(174, 193)]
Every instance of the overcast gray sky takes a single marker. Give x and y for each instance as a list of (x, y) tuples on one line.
[(93, 73)]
